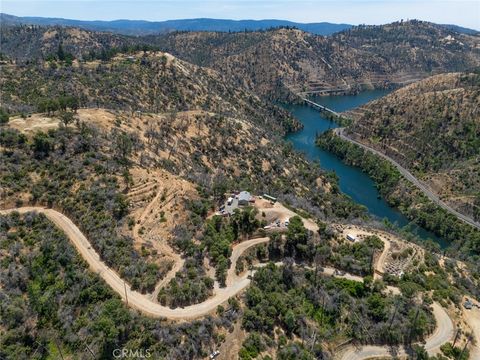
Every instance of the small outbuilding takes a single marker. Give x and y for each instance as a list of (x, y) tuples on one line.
[(244, 198), (270, 198), (351, 237), (468, 304)]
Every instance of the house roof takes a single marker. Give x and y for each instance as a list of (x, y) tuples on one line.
[(244, 195)]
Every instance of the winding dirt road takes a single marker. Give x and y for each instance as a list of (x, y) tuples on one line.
[(133, 298), (235, 284), (445, 331), (409, 176)]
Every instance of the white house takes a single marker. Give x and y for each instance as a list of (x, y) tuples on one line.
[(244, 198)]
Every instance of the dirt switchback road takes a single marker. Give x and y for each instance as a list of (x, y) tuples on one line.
[(443, 333), (235, 284), (135, 299), (408, 175)]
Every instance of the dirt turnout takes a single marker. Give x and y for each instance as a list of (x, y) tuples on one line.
[(472, 318), (444, 332), (34, 123), (278, 211)]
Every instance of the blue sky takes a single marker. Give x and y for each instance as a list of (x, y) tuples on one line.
[(460, 12)]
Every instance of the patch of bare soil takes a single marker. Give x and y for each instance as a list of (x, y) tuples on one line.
[(397, 256), (33, 123), (157, 206), (157, 200), (470, 324), (233, 342)]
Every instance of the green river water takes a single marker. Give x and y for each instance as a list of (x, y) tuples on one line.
[(352, 180)]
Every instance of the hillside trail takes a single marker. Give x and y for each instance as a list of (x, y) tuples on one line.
[(235, 284), (162, 244)]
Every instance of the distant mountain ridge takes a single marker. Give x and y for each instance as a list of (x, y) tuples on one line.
[(282, 62), (275, 64), (143, 27)]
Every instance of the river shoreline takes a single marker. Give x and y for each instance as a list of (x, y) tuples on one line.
[(352, 180)]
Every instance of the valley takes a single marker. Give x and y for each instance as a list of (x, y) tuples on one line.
[(351, 181), (175, 194)]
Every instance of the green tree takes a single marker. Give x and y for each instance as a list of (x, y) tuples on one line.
[(221, 269), (42, 145), (376, 306), (73, 103), (60, 52), (245, 220), (275, 248), (124, 148), (297, 237), (252, 346), (290, 321), (66, 117), (3, 116), (420, 352)]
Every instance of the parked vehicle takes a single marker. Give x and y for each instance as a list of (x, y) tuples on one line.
[(214, 354)]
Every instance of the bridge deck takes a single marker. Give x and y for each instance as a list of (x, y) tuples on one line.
[(321, 107)]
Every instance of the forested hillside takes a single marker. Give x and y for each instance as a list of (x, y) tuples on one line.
[(70, 311), (30, 43), (51, 304), (142, 27), (433, 128), (149, 82), (192, 125), (275, 63), (137, 151), (85, 166)]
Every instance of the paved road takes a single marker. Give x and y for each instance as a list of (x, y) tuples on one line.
[(235, 284), (408, 175)]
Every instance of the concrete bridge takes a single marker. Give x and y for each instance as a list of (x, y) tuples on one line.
[(319, 107)]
